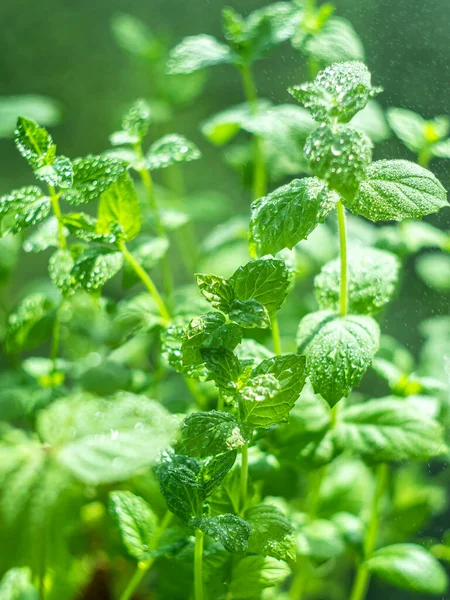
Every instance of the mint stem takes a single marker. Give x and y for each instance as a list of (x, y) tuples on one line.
[(198, 565), (244, 478), (343, 299)]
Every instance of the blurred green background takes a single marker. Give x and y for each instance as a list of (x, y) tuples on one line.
[(65, 49)]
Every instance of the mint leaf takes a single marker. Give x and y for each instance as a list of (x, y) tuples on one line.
[(135, 124), (30, 323), (225, 125), (338, 350), (44, 236), (397, 190), (223, 367), (169, 150), (119, 205), (230, 530), (34, 143), (372, 281), (214, 469), (264, 280), (272, 534), (84, 227), (208, 331), (339, 154), (273, 388), (92, 175), (41, 109), (209, 433), (253, 574), (289, 214), (95, 266), (409, 567), (136, 521), (338, 92), (181, 487), (216, 290), (60, 270), (59, 173), (387, 429), (197, 52), (408, 126), (249, 314), (23, 208)]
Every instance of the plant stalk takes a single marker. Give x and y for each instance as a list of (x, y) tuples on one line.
[(244, 478), (146, 280), (145, 565), (198, 565), (362, 578), (259, 173), (343, 296), (276, 335), (54, 199)]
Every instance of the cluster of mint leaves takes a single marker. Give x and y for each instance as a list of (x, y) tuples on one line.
[(217, 476)]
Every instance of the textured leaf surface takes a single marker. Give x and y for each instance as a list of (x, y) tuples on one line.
[(223, 366), (216, 290), (34, 143), (253, 574), (409, 567), (372, 281), (208, 433), (230, 530), (272, 534), (30, 323), (171, 149), (23, 208), (397, 189), (387, 429), (92, 175), (289, 214), (95, 266), (136, 521), (339, 350)]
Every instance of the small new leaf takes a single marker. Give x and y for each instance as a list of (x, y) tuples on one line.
[(223, 367), (136, 521), (216, 290), (338, 350), (34, 143), (197, 52), (119, 206), (58, 174), (394, 190)]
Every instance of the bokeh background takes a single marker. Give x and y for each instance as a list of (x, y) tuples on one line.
[(65, 49)]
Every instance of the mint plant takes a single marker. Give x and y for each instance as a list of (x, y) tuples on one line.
[(154, 430)]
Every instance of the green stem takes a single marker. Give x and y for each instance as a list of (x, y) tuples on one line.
[(54, 199), (362, 578), (276, 335), (244, 478), (196, 393), (198, 565), (343, 297), (259, 173), (424, 157), (145, 565), (146, 280)]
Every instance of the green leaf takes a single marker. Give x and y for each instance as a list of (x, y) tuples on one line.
[(409, 567), (441, 149), (104, 441), (119, 205), (321, 540), (197, 52), (223, 367), (397, 190), (95, 266), (264, 280), (136, 521), (180, 485), (135, 124), (59, 173), (34, 143), (216, 290), (133, 36), (41, 109), (30, 323), (253, 574), (408, 126), (169, 150), (60, 268), (208, 331), (269, 401), (249, 314), (223, 126), (335, 42), (84, 227), (23, 208), (339, 154), (289, 214), (16, 585), (434, 270), (44, 236), (372, 281), (338, 350), (230, 530), (92, 175), (372, 122), (388, 429), (209, 433), (272, 534), (338, 92), (214, 470)]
